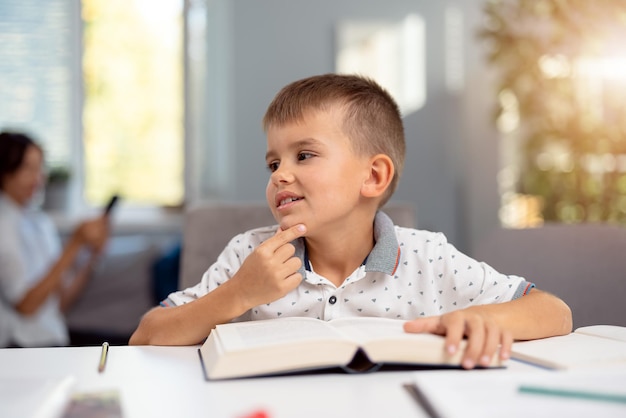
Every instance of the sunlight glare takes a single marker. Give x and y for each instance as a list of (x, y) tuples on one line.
[(555, 66), (611, 68)]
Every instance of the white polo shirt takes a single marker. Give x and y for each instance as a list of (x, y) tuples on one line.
[(409, 274)]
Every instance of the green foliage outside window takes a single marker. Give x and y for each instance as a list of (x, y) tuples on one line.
[(562, 95)]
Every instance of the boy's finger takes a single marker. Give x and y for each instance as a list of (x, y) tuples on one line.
[(476, 335), (505, 347), (454, 328), (283, 237), (429, 324)]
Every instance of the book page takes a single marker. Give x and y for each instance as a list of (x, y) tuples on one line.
[(363, 330), (273, 346), (571, 351), (613, 332), (385, 341), (243, 335), (495, 394), (366, 330)]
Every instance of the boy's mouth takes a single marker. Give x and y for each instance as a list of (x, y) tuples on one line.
[(283, 201), (288, 200)]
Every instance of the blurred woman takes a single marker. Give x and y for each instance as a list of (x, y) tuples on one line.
[(39, 278)]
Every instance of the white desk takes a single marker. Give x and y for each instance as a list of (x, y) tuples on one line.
[(168, 382)]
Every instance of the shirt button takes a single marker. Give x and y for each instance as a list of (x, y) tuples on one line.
[(332, 300)]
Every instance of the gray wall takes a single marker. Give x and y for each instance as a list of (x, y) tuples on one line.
[(256, 47)]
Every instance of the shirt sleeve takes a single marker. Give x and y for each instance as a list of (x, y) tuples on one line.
[(218, 273), (475, 282), (13, 283)]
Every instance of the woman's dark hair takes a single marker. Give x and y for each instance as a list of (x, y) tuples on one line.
[(13, 146)]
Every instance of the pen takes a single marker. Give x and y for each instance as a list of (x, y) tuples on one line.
[(570, 393), (421, 400), (103, 356)]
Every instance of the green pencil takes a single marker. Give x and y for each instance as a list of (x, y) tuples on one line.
[(572, 393)]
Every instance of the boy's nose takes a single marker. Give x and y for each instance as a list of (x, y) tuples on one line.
[(282, 175)]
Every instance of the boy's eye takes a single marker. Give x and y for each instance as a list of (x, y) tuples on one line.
[(273, 166), (304, 156)]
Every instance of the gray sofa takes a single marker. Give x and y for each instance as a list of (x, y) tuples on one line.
[(120, 290), (583, 264)]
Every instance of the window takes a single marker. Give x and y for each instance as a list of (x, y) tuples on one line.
[(36, 68), (392, 53), (133, 108), (101, 85)]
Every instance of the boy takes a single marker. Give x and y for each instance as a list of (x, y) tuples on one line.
[(335, 151)]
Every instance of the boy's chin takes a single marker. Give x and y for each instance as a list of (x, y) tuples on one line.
[(287, 223), (284, 225)]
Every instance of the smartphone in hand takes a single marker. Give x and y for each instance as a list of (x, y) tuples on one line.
[(112, 202)]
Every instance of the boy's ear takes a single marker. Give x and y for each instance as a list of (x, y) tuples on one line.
[(381, 173)]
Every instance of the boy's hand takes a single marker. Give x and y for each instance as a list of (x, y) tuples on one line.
[(483, 335), (271, 271)]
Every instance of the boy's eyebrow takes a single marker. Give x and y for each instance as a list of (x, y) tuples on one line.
[(304, 142)]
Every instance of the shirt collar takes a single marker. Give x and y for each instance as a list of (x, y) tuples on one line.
[(384, 256)]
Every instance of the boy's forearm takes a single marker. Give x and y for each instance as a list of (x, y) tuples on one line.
[(190, 323), (535, 315)]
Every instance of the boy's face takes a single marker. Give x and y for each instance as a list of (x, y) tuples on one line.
[(316, 177)]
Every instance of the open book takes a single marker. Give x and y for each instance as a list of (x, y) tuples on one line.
[(289, 345), (592, 346), (521, 394)]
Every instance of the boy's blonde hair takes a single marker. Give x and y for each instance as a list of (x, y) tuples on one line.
[(372, 119)]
